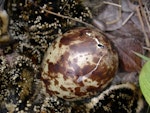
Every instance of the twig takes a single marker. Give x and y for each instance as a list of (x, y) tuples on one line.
[(143, 28), (126, 20), (67, 17), (146, 16), (146, 48), (114, 4)]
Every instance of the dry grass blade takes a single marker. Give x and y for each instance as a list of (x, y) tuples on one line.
[(126, 20), (138, 10), (110, 3), (146, 13), (146, 48)]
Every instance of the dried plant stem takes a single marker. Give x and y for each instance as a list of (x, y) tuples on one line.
[(142, 25), (126, 20), (146, 48), (114, 4), (148, 17), (144, 15), (67, 17)]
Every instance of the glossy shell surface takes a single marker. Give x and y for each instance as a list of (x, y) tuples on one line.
[(79, 64)]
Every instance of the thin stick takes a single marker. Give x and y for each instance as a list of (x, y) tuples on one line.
[(114, 4), (146, 48), (67, 17), (126, 20), (143, 28), (144, 14), (146, 17)]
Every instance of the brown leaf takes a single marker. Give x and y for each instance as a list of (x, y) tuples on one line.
[(126, 40), (128, 60)]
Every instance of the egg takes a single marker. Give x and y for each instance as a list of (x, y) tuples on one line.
[(79, 64)]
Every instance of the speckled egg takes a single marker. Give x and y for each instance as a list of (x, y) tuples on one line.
[(79, 64)]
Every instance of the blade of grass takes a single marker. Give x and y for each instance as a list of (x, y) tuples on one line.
[(141, 56)]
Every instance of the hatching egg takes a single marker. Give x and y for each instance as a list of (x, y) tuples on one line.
[(79, 64)]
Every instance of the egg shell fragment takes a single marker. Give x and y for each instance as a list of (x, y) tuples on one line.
[(79, 64)]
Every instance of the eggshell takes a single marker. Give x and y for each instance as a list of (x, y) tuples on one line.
[(79, 64)]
